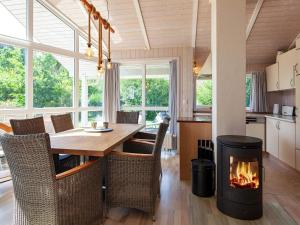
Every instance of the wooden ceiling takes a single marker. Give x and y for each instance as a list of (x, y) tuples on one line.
[(169, 23)]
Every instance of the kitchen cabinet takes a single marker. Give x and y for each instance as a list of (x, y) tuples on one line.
[(272, 136), (272, 74), (286, 143), (286, 68), (281, 140), (256, 130)]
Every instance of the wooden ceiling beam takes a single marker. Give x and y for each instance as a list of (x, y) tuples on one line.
[(195, 22), (141, 22), (254, 17)]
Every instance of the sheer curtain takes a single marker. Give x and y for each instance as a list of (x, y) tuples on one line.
[(111, 101), (173, 97), (258, 98)]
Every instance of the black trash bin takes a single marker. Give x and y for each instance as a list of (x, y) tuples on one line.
[(203, 177)]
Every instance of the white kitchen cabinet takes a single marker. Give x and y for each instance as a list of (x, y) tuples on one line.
[(272, 136), (256, 130), (297, 95), (272, 74), (286, 65), (287, 143), (298, 159)]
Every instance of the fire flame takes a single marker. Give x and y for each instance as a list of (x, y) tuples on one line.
[(244, 177)]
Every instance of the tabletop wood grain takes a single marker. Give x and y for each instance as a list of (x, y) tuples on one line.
[(80, 142)]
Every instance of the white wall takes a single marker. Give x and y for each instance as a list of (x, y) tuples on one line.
[(185, 76), (228, 67)]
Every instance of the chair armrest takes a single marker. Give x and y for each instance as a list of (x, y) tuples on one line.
[(75, 170), (145, 135), (5, 128), (138, 146)]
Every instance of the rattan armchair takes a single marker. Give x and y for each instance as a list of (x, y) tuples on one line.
[(133, 179), (61, 123), (42, 197), (37, 126), (150, 137), (127, 117)]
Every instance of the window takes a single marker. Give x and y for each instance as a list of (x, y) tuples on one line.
[(145, 88), (203, 93), (91, 85), (131, 85), (157, 85), (50, 30), (52, 80), (12, 77), (13, 18), (248, 91), (86, 117)]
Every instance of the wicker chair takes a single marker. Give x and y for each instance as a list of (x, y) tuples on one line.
[(133, 179), (62, 122), (127, 117), (36, 126), (144, 136), (44, 198)]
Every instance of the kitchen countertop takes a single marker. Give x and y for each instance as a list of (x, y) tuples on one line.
[(198, 119), (291, 119)]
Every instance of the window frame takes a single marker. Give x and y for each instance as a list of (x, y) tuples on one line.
[(144, 108), (30, 46)]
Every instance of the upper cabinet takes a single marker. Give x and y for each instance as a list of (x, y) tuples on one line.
[(281, 75), (287, 62), (272, 77)]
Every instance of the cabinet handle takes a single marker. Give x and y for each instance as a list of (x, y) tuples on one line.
[(277, 85), (278, 125)]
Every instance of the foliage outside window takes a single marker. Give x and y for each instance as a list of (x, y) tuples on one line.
[(248, 91), (203, 92), (131, 85), (12, 76), (52, 80)]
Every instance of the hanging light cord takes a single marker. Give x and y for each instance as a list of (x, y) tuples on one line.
[(107, 8)]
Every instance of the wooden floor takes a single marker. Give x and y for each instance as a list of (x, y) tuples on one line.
[(178, 206)]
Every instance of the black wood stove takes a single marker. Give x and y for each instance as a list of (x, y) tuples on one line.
[(239, 176)]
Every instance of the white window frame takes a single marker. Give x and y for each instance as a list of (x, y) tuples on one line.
[(30, 46), (143, 108)]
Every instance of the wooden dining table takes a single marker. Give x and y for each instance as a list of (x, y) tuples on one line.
[(80, 142)]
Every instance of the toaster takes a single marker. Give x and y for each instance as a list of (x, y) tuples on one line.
[(288, 110)]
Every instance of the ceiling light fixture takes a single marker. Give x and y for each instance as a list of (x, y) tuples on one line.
[(102, 22), (196, 69), (89, 51)]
